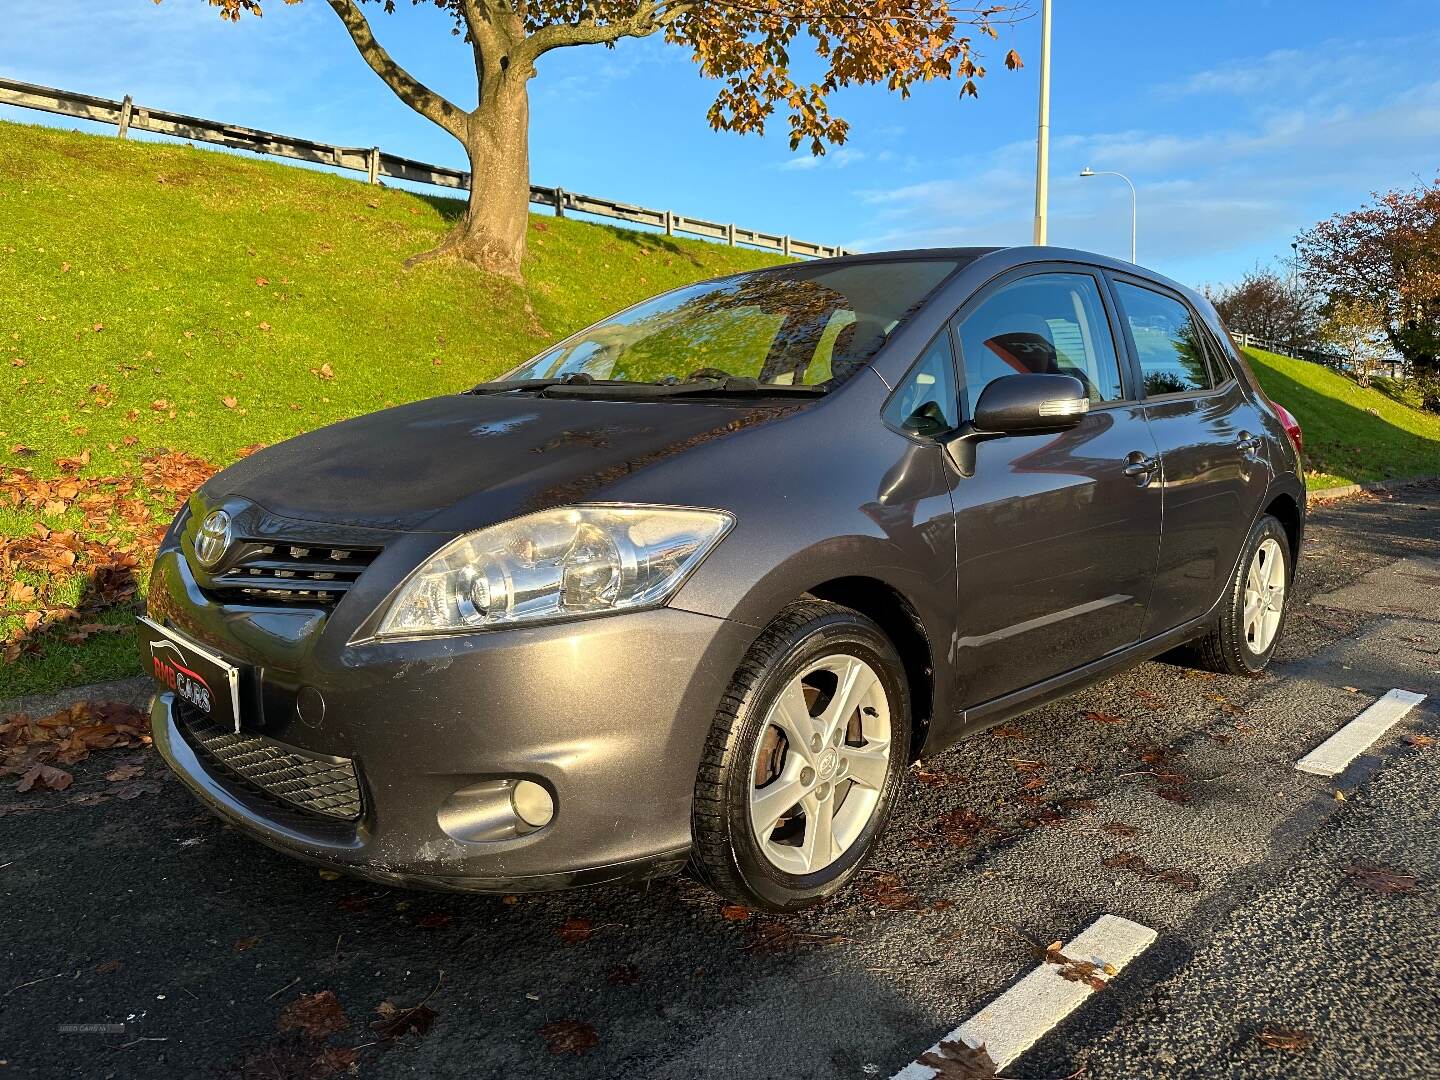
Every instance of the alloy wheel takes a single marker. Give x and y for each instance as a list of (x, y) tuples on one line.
[(820, 764), (1264, 596)]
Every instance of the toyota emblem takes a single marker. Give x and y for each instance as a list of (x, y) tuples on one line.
[(213, 539)]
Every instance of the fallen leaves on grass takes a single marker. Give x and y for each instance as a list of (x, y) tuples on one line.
[(1379, 879), (569, 1037), (1294, 1040), (318, 1015), (1181, 880), (959, 1061), (324, 371)]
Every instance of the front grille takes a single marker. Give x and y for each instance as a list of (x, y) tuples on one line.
[(314, 783), (280, 570)]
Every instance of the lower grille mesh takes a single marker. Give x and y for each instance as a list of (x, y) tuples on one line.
[(310, 782)]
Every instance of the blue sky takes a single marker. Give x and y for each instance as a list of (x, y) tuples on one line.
[(1240, 122)]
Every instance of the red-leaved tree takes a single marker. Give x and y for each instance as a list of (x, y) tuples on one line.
[(744, 44), (1386, 257)]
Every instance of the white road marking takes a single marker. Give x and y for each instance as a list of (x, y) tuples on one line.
[(1016, 1020), (1332, 756)]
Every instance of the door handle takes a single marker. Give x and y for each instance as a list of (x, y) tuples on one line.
[(1140, 465), (1248, 444)]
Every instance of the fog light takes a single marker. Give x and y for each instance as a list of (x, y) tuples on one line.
[(532, 803), (496, 810)]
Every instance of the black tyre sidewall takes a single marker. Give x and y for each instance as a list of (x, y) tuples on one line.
[(1233, 625), (843, 632)]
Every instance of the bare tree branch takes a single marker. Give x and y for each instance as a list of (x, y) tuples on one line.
[(434, 107)]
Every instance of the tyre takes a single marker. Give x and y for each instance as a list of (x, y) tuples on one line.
[(1252, 614), (802, 761)]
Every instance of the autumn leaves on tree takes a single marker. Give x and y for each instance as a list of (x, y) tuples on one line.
[(743, 44)]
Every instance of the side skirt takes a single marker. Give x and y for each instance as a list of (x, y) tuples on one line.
[(997, 710)]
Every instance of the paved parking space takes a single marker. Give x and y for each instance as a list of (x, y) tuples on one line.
[(1163, 796)]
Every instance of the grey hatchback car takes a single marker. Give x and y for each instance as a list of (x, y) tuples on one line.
[(696, 585)]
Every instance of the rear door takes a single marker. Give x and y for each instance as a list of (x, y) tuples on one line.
[(1212, 476), (1056, 542)]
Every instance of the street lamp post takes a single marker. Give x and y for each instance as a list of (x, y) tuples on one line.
[(1042, 134), (1134, 216)]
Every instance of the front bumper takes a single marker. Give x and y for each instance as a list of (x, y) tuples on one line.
[(609, 714)]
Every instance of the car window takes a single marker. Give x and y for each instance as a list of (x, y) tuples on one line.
[(926, 402), (1168, 340), (796, 325), (1044, 324)]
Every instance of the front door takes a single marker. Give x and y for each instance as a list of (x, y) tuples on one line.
[(1057, 541), (1212, 477)]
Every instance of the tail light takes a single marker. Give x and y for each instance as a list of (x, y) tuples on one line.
[(1291, 425)]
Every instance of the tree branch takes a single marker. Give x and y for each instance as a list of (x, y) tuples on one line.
[(645, 21), (434, 107)]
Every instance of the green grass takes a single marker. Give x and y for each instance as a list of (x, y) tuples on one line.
[(1353, 434), (136, 273)]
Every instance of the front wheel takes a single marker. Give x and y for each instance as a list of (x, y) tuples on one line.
[(803, 759), (1247, 627)]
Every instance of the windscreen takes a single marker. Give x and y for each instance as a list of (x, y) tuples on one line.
[(793, 326)]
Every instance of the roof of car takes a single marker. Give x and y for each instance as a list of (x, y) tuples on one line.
[(1015, 255)]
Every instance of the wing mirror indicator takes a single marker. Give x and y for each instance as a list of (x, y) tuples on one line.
[(1019, 405)]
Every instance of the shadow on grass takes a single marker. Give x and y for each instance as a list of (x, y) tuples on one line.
[(1352, 442)]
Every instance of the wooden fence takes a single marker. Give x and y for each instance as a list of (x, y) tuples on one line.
[(375, 163)]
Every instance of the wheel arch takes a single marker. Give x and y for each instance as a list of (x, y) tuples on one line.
[(1287, 510), (892, 611)]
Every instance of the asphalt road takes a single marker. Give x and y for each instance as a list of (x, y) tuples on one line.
[(148, 913)]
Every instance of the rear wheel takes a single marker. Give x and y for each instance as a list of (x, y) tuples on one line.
[(1247, 627), (803, 759)]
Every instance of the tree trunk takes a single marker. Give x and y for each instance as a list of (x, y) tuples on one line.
[(491, 232)]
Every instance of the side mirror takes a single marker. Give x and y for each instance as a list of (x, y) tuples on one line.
[(1019, 405), (1031, 404)]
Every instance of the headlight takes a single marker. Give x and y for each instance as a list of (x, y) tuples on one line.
[(557, 564)]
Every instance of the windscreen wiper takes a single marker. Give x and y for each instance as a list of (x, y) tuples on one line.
[(581, 385)]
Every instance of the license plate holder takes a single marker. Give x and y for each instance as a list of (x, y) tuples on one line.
[(193, 673)]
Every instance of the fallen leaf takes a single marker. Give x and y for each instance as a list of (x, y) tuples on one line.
[(735, 913), (245, 944), (569, 1037), (574, 931), (1294, 1040), (1378, 879), (623, 975), (1417, 740), (108, 967), (395, 1022), (958, 1061), (1119, 828), (265, 326), (1007, 732), (436, 920), (229, 402), (261, 281), (324, 371), (1104, 718), (125, 772), (47, 776), (318, 1015)]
